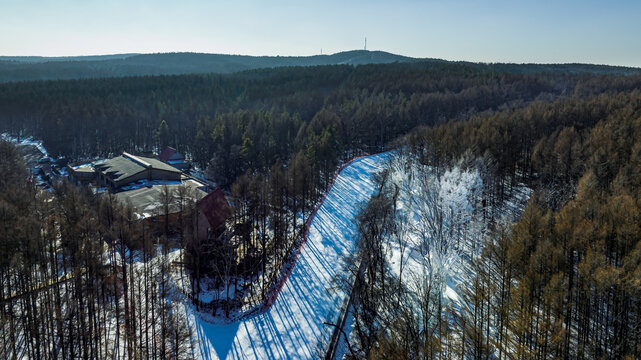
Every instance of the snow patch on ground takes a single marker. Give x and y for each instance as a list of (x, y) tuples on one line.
[(27, 141), (446, 225), (443, 225)]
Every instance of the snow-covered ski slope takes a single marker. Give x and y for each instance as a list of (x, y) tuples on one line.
[(293, 327)]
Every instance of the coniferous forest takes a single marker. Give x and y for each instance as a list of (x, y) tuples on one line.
[(563, 281), (81, 278)]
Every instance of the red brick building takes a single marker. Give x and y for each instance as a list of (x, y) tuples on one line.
[(213, 210)]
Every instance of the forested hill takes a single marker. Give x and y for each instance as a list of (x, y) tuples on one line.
[(44, 59), (246, 121), (38, 68), (557, 68), (30, 68)]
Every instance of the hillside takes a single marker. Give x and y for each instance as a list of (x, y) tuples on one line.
[(33, 68), (42, 68)]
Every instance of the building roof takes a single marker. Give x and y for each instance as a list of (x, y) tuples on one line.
[(156, 164), (119, 167), (82, 169), (127, 165), (215, 208), (146, 199), (170, 153)]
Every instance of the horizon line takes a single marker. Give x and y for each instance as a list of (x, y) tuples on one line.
[(313, 55)]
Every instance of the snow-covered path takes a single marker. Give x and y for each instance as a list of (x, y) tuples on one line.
[(293, 327)]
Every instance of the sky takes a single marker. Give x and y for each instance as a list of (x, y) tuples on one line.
[(533, 31)]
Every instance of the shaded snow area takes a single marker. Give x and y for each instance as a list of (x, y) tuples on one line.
[(26, 142), (293, 327), (442, 224)]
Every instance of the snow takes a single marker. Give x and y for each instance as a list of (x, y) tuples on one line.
[(148, 183), (444, 225), (293, 325), (27, 141), (451, 294), (88, 165)]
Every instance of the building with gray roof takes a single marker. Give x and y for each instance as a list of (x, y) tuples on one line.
[(147, 201), (128, 168)]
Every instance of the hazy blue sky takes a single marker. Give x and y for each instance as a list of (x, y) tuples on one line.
[(607, 32)]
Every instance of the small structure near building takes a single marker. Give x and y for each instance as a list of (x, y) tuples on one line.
[(213, 210), (148, 202), (81, 175), (172, 157)]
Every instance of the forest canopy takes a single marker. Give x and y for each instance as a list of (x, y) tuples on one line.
[(272, 113)]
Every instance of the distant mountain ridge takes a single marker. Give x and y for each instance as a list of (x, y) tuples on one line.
[(32, 68), (43, 59), (83, 67)]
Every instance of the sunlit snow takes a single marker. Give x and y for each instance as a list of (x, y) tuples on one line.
[(293, 326)]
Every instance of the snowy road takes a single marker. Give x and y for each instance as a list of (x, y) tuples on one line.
[(293, 327)]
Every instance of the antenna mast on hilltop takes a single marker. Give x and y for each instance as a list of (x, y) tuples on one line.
[(365, 44)]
